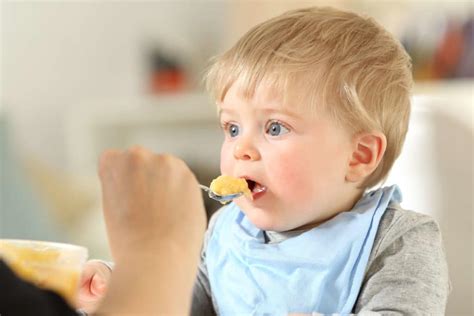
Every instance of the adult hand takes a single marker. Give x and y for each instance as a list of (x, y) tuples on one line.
[(155, 220), (148, 197)]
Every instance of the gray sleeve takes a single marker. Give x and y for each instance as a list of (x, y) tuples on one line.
[(201, 298), (408, 273)]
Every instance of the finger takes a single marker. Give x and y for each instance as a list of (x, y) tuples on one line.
[(105, 158)]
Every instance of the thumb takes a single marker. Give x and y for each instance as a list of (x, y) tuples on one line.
[(98, 285), (86, 279)]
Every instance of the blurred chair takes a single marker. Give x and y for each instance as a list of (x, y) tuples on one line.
[(435, 174)]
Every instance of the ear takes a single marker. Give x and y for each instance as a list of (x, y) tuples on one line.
[(369, 149)]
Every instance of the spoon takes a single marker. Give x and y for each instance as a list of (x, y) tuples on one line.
[(223, 199)]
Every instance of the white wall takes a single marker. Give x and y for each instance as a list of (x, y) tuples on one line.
[(58, 54), (435, 172)]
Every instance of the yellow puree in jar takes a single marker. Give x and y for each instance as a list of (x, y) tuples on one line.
[(40, 267)]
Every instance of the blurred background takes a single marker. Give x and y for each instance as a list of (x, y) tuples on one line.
[(81, 76)]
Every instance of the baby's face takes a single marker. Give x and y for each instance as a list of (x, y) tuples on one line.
[(300, 159)]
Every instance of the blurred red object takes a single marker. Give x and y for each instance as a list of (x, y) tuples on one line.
[(449, 52), (167, 80)]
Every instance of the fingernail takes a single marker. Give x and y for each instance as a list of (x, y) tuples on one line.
[(101, 286)]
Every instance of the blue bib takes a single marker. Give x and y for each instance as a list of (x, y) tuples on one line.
[(320, 270)]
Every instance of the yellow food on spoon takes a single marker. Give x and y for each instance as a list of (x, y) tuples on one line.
[(224, 185)]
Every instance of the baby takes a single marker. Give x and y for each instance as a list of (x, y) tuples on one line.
[(314, 105)]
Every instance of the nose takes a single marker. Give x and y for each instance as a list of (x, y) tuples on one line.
[(245, 149)]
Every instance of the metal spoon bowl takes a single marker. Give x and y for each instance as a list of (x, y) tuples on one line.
[(223, 199)]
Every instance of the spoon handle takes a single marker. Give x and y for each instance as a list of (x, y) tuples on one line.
[(204, 188)]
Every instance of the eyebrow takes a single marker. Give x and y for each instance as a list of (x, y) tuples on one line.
[(267, 111), (282, 111), (221, 110)]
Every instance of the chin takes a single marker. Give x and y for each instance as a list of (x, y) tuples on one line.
[(262, 220), (264, 226)]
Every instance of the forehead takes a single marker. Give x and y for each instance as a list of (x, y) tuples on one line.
[(264, 96)]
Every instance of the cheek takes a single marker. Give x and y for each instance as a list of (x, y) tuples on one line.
[(302, 174), (290, 173)]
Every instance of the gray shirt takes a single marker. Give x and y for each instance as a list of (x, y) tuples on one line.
[(407, 272)]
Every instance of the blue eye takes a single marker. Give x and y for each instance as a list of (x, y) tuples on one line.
[(233, 130), (276, 129)]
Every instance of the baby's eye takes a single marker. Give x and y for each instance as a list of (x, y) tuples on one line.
[(232, 129), (276, 129)]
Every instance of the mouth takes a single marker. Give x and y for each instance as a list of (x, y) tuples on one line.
[(255, 187)]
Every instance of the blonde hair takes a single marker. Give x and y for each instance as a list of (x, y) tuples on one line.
[(342, 62)]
